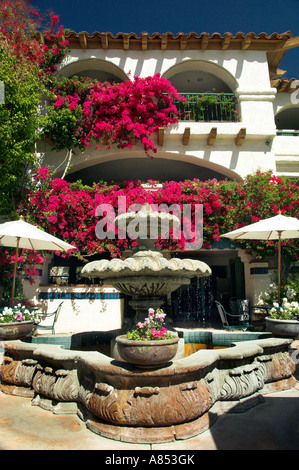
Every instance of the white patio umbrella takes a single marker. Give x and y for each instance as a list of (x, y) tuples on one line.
[(21, 234), (279, 227)]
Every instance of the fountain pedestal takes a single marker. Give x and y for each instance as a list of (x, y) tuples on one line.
[(141, 306), (147, 275)]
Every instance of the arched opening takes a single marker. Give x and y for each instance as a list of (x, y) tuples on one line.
[(98, 69), (208, 90), (287, 119), (193, 81), (135, 168), (203, 76)]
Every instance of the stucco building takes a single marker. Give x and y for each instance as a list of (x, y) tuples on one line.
[(259, 131)]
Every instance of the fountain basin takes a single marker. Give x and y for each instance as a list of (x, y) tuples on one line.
[(146, 273), (122, 402)]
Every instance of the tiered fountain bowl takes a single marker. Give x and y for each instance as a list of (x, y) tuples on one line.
[(147, 275)]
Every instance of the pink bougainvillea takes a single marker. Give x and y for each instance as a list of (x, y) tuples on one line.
[(68, 211), (107, 114), (18, 26)]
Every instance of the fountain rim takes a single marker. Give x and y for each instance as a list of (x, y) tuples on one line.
[(99, 361)]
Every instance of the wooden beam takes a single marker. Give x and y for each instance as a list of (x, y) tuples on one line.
[(161, 136), (280, 72), (83, 40), (226, 41), (126, 44), (144, 40), (204, 41), (39, 37), (133, 138), (186, 136), (104, 40), (284, 84), (287, 44), (59, 41), (246, 42), (212, 136), (164, 41), (240, 136), (183, 41)]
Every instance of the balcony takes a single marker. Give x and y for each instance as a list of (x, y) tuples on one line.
[(288, 132), (208, 107), (285, 147)]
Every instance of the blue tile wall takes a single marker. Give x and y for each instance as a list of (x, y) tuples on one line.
[(221, 339), (104, 337), (75, 340), (192, 336), (80, 295)]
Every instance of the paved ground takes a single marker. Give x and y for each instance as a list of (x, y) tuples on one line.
[(272, 425)]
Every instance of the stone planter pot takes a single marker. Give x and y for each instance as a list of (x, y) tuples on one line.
[(287, 328), (147, 354), (15, 330)]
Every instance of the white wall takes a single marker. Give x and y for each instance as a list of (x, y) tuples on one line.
[(78, 315), (246, 72), (286, 148)]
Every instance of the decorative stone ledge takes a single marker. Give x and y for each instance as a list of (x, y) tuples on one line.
[(120, 402)]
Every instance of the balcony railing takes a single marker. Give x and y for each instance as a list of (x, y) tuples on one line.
[(208, 107), (287, 132)]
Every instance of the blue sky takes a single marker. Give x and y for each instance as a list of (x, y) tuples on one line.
[(161, 16)]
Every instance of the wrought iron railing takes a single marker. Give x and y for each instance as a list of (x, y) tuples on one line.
[(208, 107), (288, 133)]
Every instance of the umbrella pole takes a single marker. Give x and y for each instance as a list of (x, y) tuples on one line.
[(15, 272), (279, 265)]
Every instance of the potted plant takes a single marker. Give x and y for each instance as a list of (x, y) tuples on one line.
[(283, 319), (150, 344), (16, 322)]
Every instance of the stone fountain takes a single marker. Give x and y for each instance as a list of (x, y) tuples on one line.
[(147, 276), (174, 401)]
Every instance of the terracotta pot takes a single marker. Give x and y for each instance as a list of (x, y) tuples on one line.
[(288, 328), (15, 330), (147, 353)]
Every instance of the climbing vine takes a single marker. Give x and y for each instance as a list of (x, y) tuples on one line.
[(26, 67), (85, 112), (68, 210)]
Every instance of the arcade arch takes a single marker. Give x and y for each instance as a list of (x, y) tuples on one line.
[(200, 76), (288, 118), (98, 69), (134, 166)]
